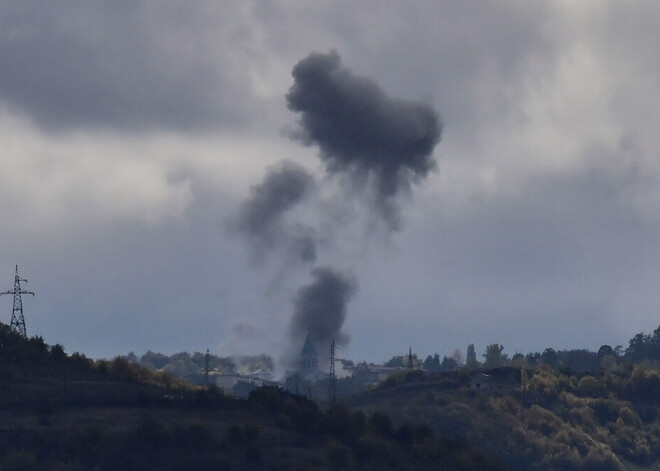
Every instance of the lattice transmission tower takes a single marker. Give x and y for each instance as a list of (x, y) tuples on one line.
[(332, 385), (17, 319)]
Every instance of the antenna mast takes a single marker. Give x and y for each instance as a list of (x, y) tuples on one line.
[(333, 377), (207, 359), (17, 319)]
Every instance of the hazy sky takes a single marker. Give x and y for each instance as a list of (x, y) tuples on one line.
[(141, 142)]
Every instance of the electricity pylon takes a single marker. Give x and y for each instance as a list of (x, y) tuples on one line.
[(332, 387), (17, 319)]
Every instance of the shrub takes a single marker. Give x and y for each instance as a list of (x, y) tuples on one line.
[(57, 352), (543, 420), (81, 361), (629, 417), (544, 382), (583, 416), (589, 386), (601, 459), (605, 410)]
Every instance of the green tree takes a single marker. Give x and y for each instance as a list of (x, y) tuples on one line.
[(395, 361), (608, 363), (494, 356), (589, 386), (154, 360), (432, 363), (518, 360), (471, 358), (57, 352), (448, 363), (401, 361), (524, 380), (549, 357)]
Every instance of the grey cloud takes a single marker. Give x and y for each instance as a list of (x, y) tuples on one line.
[(361, 131), (320, 308), (558, 262), (533, 269), (261, 218), (126, 65)]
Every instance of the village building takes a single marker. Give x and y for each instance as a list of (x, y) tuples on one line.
[(308, 363), (480, 382)]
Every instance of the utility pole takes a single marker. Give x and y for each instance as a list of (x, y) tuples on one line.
[(17, 319), (332, 387), (207, 361), (332, 393)]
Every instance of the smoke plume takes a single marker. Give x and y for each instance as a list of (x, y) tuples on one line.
[(261, 218), (320, 308), (361, 131)]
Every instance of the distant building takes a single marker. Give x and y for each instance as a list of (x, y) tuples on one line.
[(309, 358), (308, 363), (480, 382), (305, 378), (307, 366)]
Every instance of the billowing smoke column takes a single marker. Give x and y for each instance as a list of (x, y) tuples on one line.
[(361, 131), (385, 145), (320, 308), (261, 217)]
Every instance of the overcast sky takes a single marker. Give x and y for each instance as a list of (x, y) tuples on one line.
[(140, 141)]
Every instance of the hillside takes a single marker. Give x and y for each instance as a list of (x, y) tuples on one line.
[(61, 412), (607, 421)]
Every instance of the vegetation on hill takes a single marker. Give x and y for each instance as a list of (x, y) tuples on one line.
[(61, 412), (193, 366), (643, 349), (32, 359), (558, 420), (563, 410)]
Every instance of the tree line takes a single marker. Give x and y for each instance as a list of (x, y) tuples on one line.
[(642, 349)]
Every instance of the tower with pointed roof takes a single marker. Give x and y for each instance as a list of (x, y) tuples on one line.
[(309, 357)]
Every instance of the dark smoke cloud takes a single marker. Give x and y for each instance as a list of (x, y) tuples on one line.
[(361, 131), (320, 308), (261, 217)]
